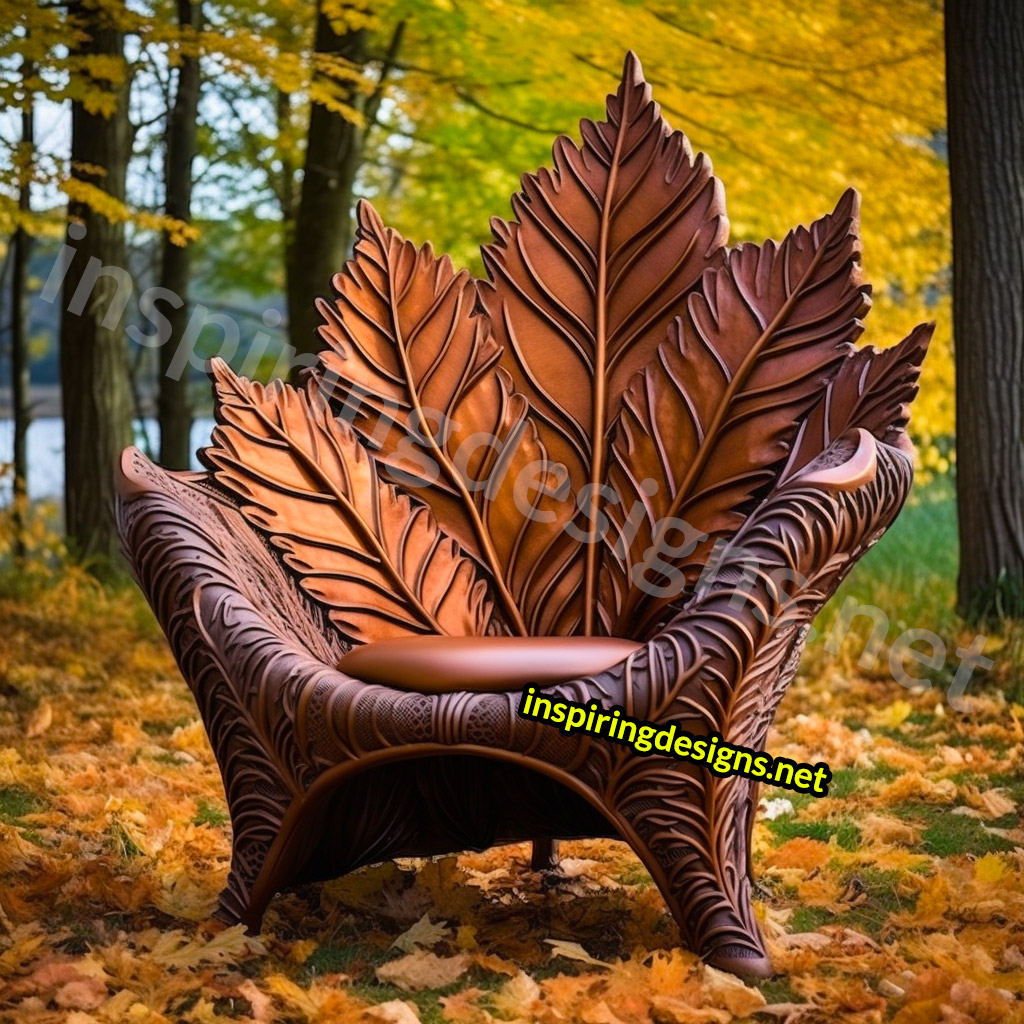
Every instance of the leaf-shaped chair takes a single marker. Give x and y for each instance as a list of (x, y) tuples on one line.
[(628, 468)]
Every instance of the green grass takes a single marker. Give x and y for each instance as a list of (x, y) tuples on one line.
[(780, 989), (16, 802), (883, 898), (949, 835), (844, 782), (164, 728), (846, 831), (355, 959), (808, 919), (210, 814)]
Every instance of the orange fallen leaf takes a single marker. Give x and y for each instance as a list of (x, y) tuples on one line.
[(800, 852)]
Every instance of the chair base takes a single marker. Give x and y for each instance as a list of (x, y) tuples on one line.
[(432, 805)]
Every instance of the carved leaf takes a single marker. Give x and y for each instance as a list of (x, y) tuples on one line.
[(416, 374), (585, 281), (378, 562), (705, 425), (873, 389)]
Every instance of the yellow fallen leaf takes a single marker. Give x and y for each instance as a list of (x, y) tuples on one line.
[(893, 716), (800, 852), (884, 828), (516, 998), (915, 786), (992, 803), (727, 991), (989, 868), (573, 951), (291, 995), (394, 1011), (171, 949), (423, 934), (673, 1010), (420, 970), (302, 950)]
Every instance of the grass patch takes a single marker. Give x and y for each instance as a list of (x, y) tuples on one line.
[(779, 990), (884, 897), (356, 959), (883, 773), (844, 782), (16, 802), (809, 919), (210, 814), (847, 833), (164, 728), (635, 874), (950, 835)]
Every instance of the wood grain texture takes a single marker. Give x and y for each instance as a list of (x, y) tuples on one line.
[(705, 424), (873, 390), (376, 560), (417, 375), (585, 281)]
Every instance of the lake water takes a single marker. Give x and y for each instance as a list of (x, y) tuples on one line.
[(46, 452)]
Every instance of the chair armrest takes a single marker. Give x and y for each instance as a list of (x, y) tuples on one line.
[(728, 656)]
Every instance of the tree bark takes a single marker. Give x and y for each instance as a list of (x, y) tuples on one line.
[(20, 366), (93, 359), (173, 411), (323, 224), (985, 86)]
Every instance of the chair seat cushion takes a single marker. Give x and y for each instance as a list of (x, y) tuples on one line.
[(482, 664)]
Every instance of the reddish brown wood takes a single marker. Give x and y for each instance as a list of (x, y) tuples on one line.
[(356, 517)]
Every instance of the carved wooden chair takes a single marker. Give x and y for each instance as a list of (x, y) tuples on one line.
[(661, 452)]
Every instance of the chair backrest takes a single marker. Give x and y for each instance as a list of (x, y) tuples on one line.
[(557, 449)]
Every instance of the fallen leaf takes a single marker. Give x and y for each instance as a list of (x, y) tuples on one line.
[(516, 998), (800, 852), (992, 803), (729, 992), (395, 1011), (893, 716), (420, 970), (884, 828), (39, 721), (422, 934), (573, 951), (262, 1004), (989, 868)]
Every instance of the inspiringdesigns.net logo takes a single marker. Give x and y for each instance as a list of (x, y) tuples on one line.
[(646, 738)]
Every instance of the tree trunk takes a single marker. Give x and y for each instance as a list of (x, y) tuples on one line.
[(173, 410), (93, 358), (323, 226), (20, 368), (985, 85)]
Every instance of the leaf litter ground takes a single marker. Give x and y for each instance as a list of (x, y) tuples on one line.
[(899, 897)]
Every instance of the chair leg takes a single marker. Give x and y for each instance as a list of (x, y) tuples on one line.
[(699, 860), (545, 855), (255, 825)]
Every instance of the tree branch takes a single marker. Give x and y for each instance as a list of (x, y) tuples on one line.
[(373, 103)]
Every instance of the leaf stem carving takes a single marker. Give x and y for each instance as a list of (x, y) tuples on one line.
[(487, 550), (390, 297), (597, 434)]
